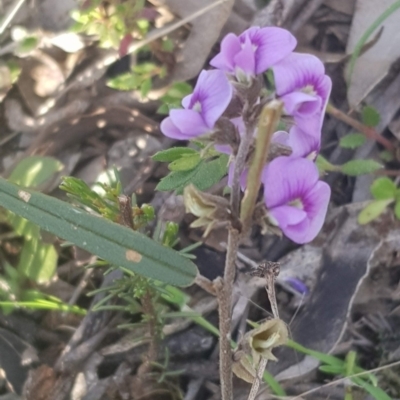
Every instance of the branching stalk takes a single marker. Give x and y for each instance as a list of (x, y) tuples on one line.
[(224, 287)]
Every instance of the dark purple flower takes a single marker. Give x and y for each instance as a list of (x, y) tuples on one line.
[(296, 199), (201, 109), (254, 51), (301, 83)]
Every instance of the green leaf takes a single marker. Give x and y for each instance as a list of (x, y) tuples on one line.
[(185, 163), (325, 358), (397, 209), (34, 171), (203, 176), (172, 154), (373, 210), (115, 243), (38, 261), (376, 392), (352, 140), (145, 87), (331, 369), (179, 90), (386, 156), (383, 189), (370, 116), (360, 167), (324, 165)]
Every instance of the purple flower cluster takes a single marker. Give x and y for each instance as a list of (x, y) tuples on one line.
[(295, 198)]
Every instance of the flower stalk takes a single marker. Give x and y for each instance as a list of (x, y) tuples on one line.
[(268, 121)]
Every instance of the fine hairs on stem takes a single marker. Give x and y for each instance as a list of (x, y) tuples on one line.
[(267, 123)]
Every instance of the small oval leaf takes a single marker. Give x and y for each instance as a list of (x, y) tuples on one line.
[(185, 163), (172, 154), (373, 210), (352, 140), (360, 167), (383, 188)]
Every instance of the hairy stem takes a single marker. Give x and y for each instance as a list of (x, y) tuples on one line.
[(266, 127), (224, 292), (152, 352)]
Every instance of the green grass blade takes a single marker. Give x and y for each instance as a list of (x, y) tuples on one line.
[(363, 39)]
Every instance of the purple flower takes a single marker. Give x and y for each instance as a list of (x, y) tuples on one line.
[(254, 51), (201, 109), (303, 139), (295, 198), (301, 83)]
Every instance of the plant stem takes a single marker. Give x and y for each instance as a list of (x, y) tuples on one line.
[(224, 292), (266, 127), (224, 287), (370, 133), (269, 271)]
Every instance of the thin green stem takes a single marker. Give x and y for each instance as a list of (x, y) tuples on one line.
[(363, 39)]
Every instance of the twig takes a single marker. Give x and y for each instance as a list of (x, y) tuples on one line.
[(269, 270), (305, 14), (370, 133), (205, 284), (337, 381), (10, 15), (266, 127)]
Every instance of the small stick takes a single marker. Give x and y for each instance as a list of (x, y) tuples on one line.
[(268, 270)]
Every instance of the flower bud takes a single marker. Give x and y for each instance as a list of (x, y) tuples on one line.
[(208, 208)]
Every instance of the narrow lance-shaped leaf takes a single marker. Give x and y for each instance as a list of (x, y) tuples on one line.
[(115, 243)]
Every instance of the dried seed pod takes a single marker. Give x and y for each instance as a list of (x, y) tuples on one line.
[(209, 208), (257, 344)]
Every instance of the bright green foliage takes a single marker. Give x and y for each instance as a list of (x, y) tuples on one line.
[(348, 367), (204, 175), (373, 210), (173, 154), (173, 97), (324, 165), (115, 243), (170, 236), (82, 194), (110, 21), (35, 171), (139, 78), (352, 140), (383, 189), (38, 261), (186, 163), (370, 116), (385, 192), (360, 167)]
